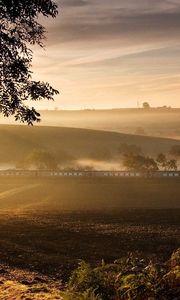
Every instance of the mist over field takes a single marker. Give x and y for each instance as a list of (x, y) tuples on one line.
[(89, 150), (74, 148), (153, 122), (160, 122)]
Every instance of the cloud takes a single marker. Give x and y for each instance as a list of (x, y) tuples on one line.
[(72, 3), (119, 22), (124, 46)]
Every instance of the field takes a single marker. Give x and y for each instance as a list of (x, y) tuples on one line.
[(40, 249), (74, 194), (54, 243), (71, 219), (48, 225)]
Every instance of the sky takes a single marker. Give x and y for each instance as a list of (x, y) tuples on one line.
[(107, 54)]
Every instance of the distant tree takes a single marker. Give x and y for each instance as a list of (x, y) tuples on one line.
[(139, 163), (42, 159), (146, 163), (172, 165), (146, 105), (39, 159), (161, 161), (18, 28), (166, 164), (88, 168), (151, 164)]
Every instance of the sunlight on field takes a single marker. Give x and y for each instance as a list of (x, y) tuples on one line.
[(88, 193), (14, 191), (14, 290)]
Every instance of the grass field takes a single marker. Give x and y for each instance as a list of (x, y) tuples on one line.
[(48, 225)]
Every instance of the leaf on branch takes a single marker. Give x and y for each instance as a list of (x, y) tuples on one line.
[(18, 27)]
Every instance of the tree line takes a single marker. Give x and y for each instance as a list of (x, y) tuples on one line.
[(130, 157), (145, 163), (134, 159)]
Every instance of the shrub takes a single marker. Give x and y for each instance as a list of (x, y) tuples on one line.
[(87, 295), (129, 278), (84, 278)]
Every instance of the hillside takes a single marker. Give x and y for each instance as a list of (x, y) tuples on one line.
[(154, 122), (18, 141)]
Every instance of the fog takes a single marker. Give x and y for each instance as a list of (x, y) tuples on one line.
[(162, 122), (90, 164), (154, 122)]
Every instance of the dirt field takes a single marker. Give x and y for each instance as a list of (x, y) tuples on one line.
[(53, 243), (48, 225)]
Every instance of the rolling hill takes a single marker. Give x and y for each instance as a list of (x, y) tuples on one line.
[(154, 122), (160, 122), (18, 141)]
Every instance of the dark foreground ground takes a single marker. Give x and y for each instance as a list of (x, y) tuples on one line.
[(50, 224), (53, 243)]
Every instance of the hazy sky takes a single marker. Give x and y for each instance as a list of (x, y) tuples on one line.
[(102, 53)]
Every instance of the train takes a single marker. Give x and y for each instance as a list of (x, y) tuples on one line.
[(78, 173)]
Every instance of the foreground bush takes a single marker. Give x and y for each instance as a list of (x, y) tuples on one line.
[(126, 279)]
